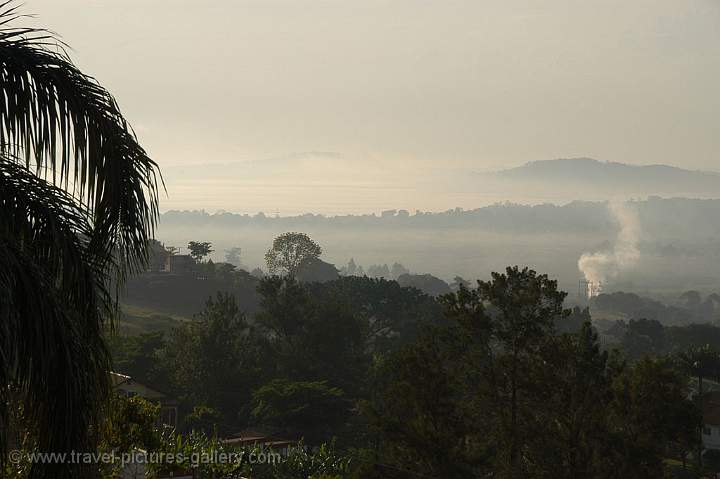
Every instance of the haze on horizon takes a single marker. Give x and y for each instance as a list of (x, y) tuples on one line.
[(347, 107)]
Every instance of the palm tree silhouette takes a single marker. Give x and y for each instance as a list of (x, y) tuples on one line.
[(78, 204)]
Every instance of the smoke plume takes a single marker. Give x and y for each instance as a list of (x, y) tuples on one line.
[(600, 266)]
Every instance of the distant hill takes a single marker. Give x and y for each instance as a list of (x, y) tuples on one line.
[(661, 217), (679, 244), (613, 178)]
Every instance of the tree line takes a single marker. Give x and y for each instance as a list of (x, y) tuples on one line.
[(492, 379)]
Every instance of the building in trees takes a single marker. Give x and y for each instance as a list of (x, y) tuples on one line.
[(128, 387), (180, 264)]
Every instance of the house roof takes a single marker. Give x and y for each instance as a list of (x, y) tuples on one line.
[(123, 382), (118, 379), (254, 436)]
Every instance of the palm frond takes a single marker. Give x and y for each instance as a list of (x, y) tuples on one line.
[(70, 130), (47, 223), (54, 356), (78, 202), (53, 302)]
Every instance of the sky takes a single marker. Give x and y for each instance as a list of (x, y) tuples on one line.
[(351, 106)]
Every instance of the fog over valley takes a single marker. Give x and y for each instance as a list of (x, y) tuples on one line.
[(359, 239), (677, 240)]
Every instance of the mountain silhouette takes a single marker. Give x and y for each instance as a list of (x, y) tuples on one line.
[(613, 178)]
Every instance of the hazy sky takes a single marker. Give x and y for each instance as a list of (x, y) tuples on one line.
[(356, 105)]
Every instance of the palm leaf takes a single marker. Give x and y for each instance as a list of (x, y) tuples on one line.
[(78, 203), (53, 356), (70, 130), (53, 301), (48, 224)]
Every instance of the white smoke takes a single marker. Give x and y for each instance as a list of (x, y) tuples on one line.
[(598, 267)]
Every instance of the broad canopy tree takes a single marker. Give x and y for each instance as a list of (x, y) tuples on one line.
[(78, 205), (508, 397), (289, 251)]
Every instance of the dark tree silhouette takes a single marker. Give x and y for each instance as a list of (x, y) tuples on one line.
[(78, 206), (199, 249)]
